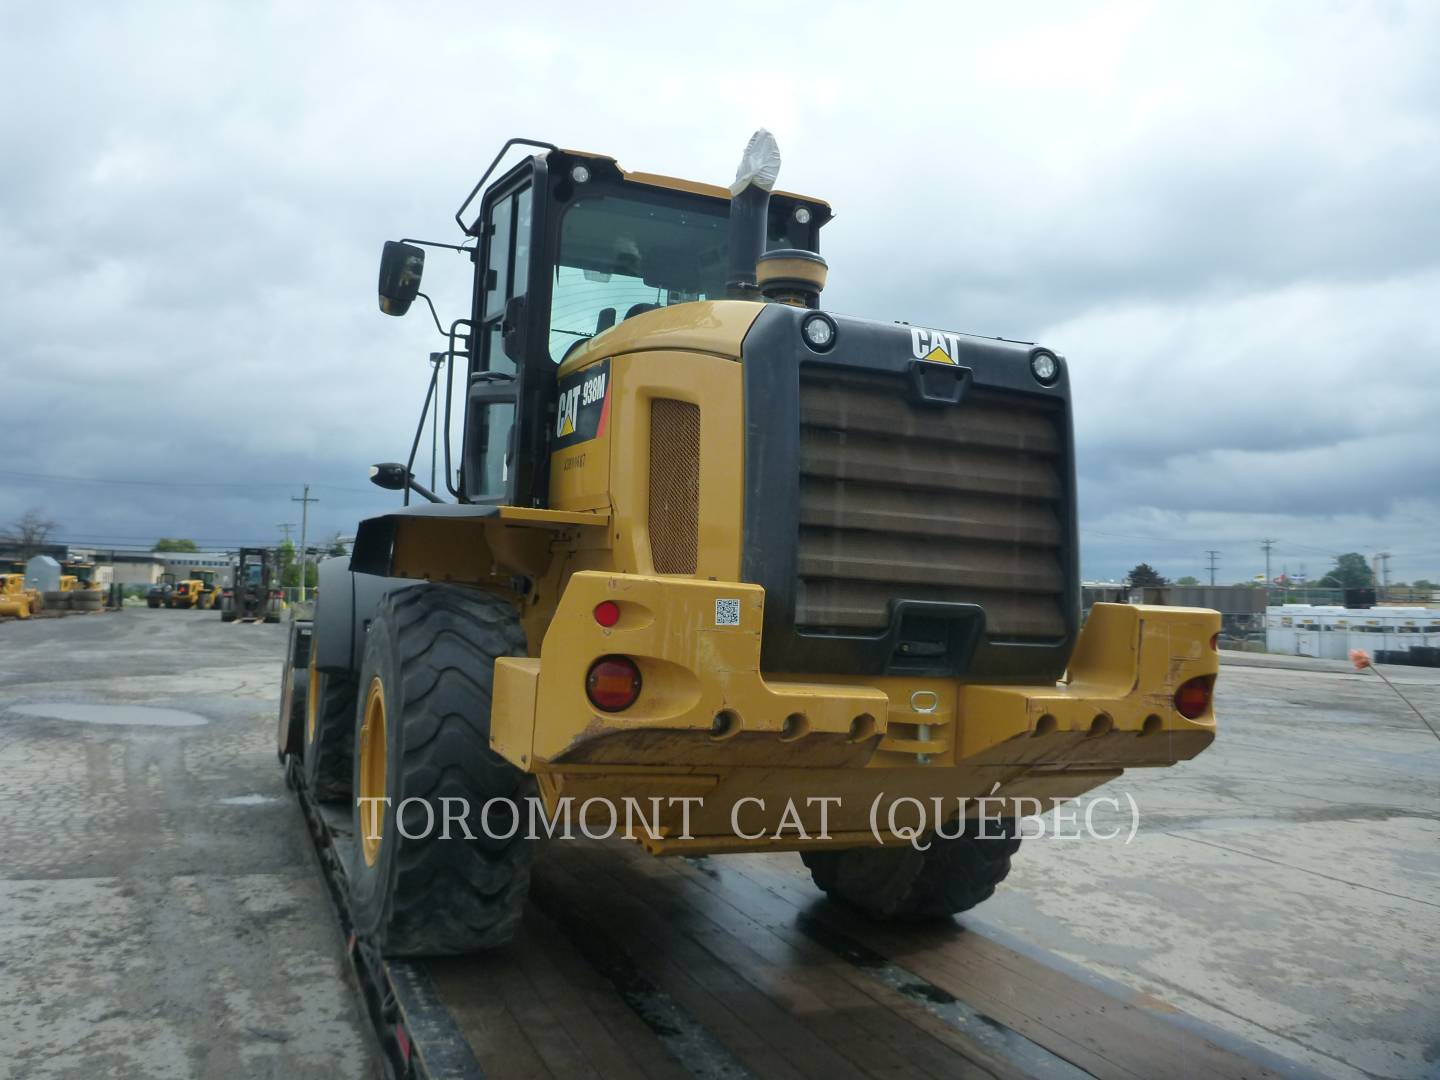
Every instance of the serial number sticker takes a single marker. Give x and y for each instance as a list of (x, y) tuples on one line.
[(727, 612)]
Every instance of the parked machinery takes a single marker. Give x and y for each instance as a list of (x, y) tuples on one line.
[(15, 599), (253, 593)]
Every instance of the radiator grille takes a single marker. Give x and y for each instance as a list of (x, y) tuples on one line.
[(899, 501), (674, 485)]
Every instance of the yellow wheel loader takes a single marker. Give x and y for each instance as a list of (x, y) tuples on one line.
[(200, 591), (719, 563), (189, 593), (15, 599)]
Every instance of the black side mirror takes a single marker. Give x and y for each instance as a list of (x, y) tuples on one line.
[(401, 267), (389, 475)]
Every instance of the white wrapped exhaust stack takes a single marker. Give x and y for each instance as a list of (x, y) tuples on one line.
[(750, 212), (760, 164)]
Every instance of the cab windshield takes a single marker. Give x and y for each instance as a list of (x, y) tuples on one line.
[(622, 256)]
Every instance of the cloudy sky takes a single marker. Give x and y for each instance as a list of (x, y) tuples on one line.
[(1227, 218)]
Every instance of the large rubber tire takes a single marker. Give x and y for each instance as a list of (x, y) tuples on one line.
[(890, 882), (329, 733), (294, 685), (429, 661), (55, 600), (88, 600), (152, 603)]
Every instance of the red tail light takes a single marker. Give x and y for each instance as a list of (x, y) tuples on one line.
[(613, 683), (1192, 700)]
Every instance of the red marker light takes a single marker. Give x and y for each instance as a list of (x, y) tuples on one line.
[(613, 683), (607, 613), (1193, 698)]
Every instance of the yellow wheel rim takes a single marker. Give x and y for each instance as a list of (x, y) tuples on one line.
[(372, 772), (312, 696)]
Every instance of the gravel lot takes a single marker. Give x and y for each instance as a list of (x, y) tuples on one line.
[(160, 915)]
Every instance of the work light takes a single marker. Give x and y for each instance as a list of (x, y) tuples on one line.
[(1045, 367), (819, 332)]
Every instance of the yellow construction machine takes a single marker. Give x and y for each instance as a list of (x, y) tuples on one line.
[(15, 599), (771, 575), (188, 593), (199, 591)]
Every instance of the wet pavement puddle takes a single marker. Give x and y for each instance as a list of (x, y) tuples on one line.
[(137, 715)]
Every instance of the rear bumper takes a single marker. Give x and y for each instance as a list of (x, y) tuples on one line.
[(846, 735)]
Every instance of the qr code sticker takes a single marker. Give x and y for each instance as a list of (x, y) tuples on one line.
[(727, 612)]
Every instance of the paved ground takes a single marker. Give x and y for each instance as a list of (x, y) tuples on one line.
[(160, 915), (1284, 886)]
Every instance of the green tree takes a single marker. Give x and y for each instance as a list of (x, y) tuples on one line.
[(174, 543), (1350, 571), (1145, 576), (285, 560), (1188, 579), (1423, 585), (290, 567)]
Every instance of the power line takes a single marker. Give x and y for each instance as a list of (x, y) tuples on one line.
[(1267, 544), (1214, 557), (305, 500), (247, 485)]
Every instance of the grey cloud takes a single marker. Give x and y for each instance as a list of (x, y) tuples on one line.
[(1225, 217)]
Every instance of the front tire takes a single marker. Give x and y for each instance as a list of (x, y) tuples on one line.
[(329, 732), (294, 687), (900, 883), (423, 738)]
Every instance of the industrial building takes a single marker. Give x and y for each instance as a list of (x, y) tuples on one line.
[(1395, 635)]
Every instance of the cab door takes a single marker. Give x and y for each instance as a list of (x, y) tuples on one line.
[(507, 228)]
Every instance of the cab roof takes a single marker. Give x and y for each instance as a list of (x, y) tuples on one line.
[(678, 184)]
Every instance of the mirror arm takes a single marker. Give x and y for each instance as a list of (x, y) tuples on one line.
[(437, 243), (438, 328), (423, 491), (415, 444)]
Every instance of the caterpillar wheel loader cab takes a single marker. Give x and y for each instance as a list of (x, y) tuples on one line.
[(253, 593), (763, 570)]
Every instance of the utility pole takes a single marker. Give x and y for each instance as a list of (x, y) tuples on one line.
[(304, 501), (1213, 557), (1384, 576), (287, 526), (1267, 544)]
